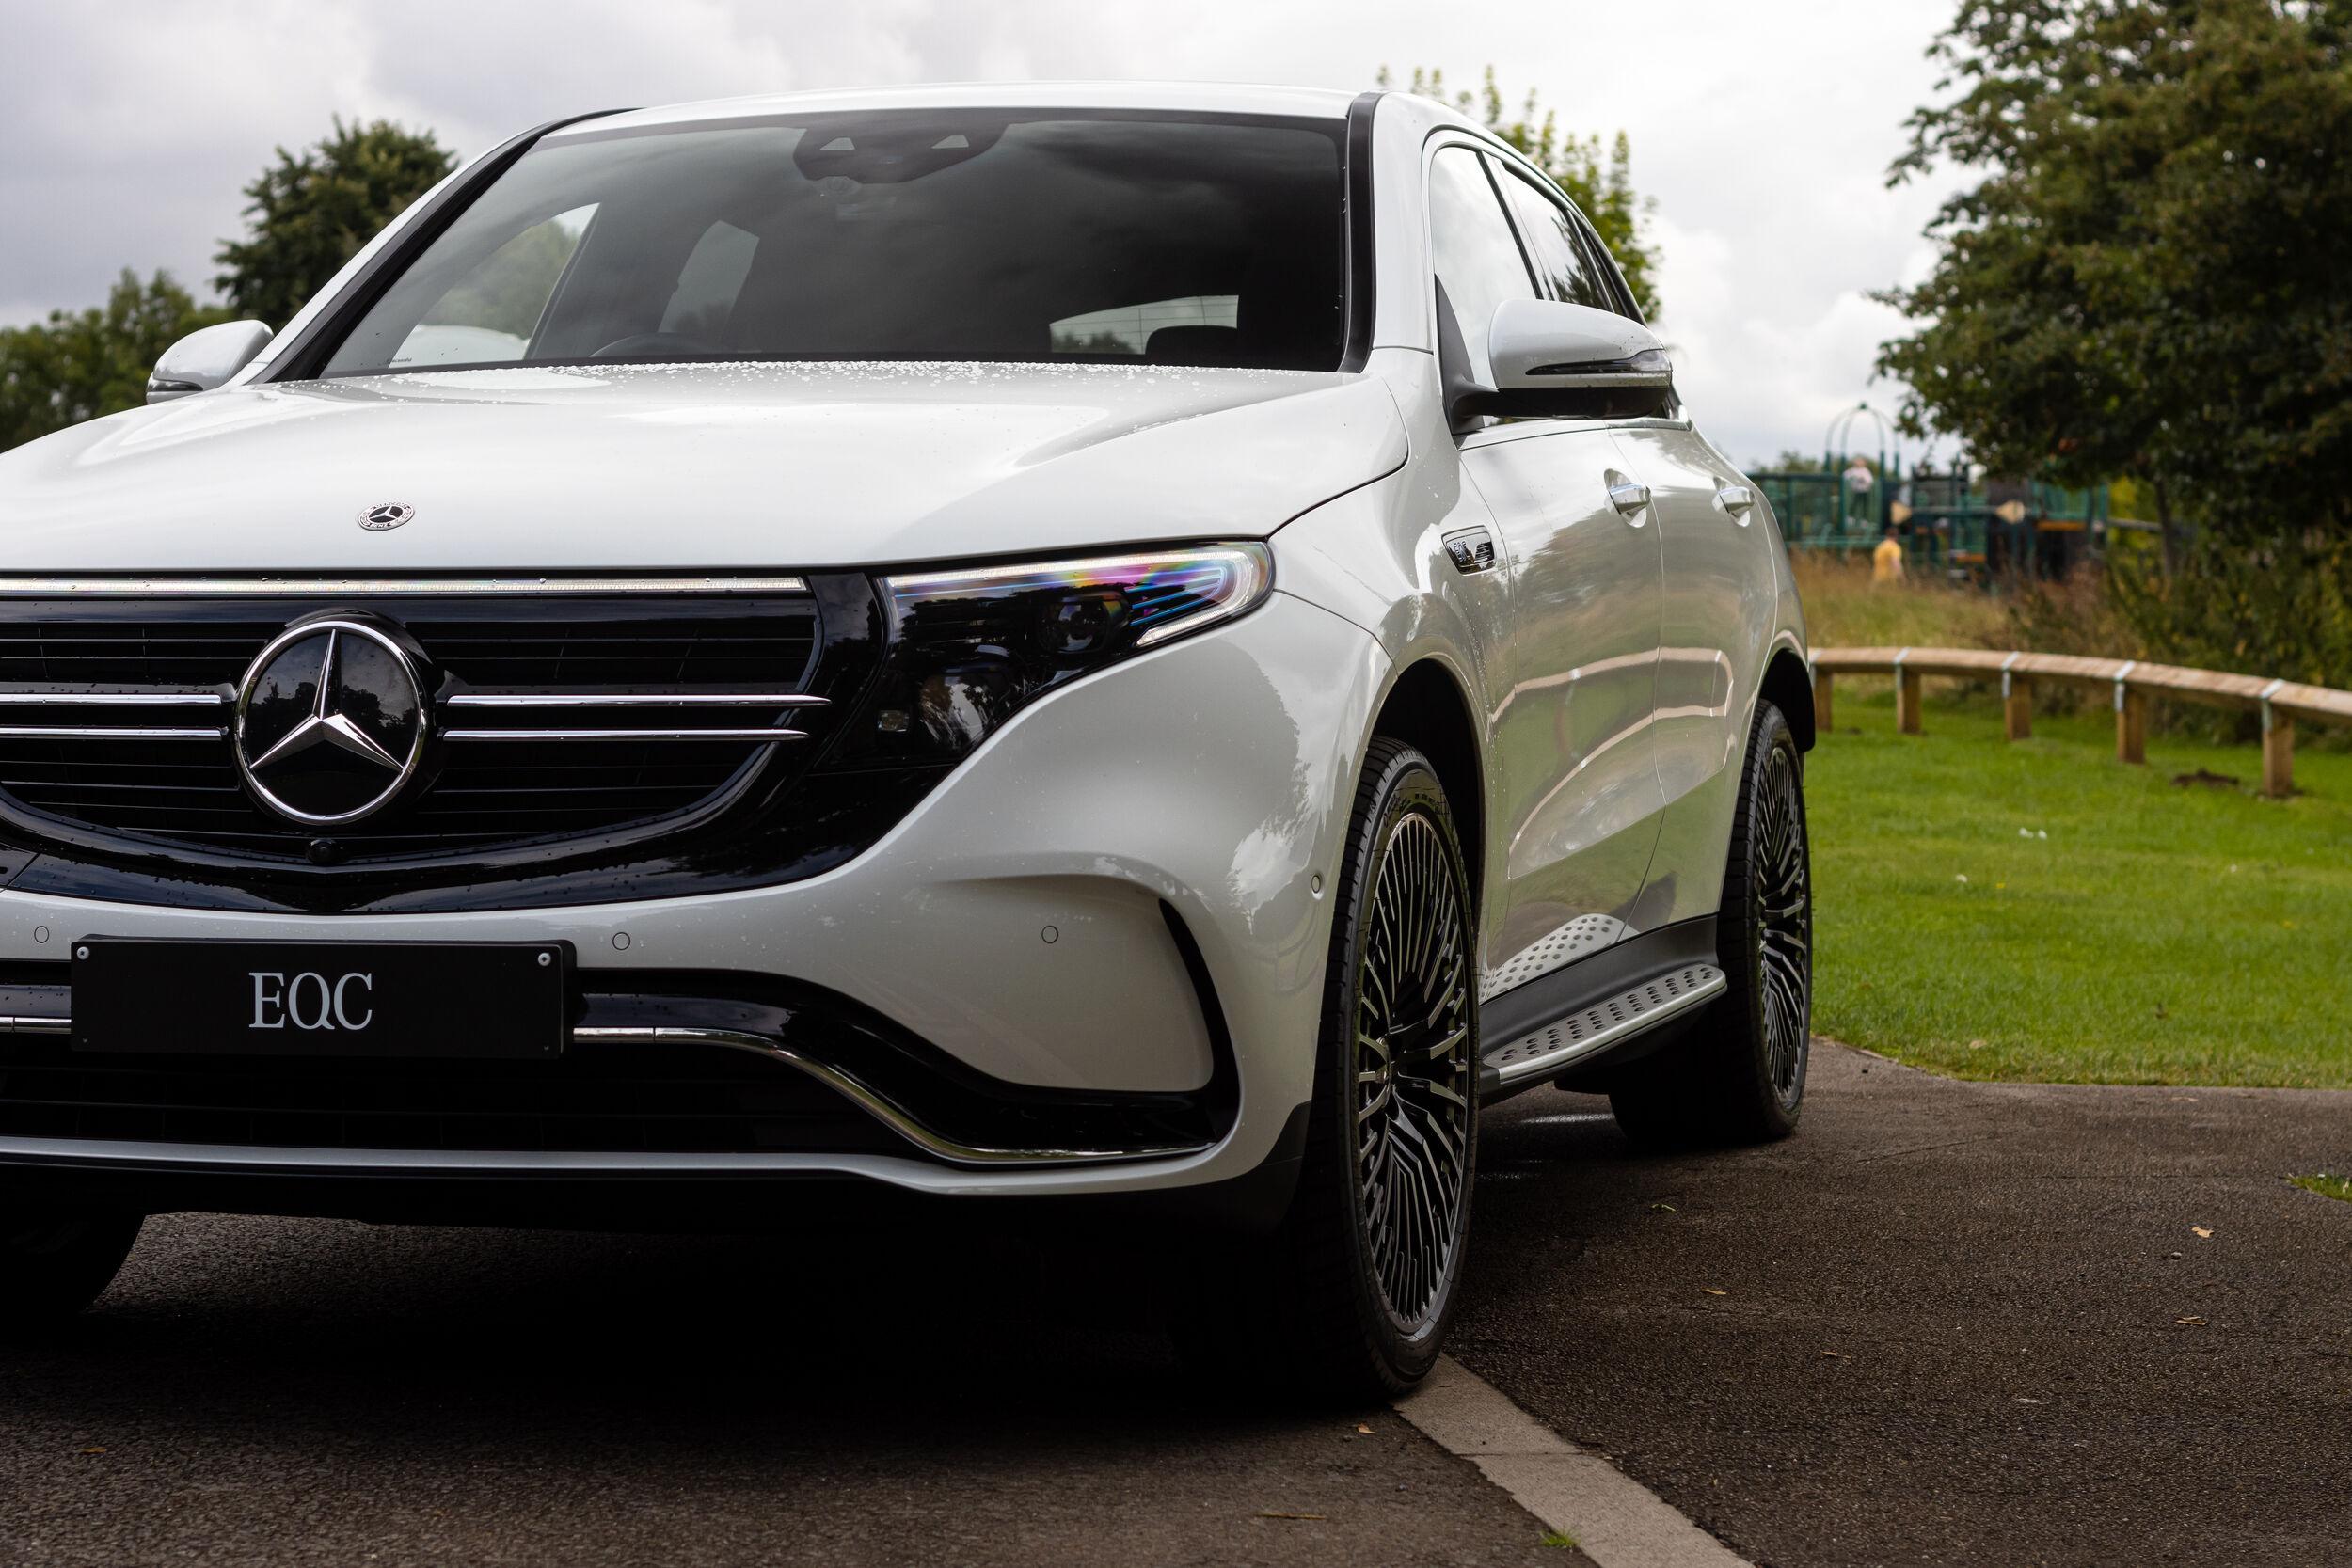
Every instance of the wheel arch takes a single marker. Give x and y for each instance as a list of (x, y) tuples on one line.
[(1428, 709), (1788, 684)]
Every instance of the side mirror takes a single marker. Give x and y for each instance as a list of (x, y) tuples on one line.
[(205, 358), (1555, 360)]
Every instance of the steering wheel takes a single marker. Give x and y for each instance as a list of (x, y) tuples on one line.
[(653, 345)]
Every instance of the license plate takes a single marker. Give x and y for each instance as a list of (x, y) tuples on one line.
[(482, 999)]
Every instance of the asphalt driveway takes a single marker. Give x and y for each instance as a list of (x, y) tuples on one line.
[(1958, 1323), (1949, 1331), (283, 1392)]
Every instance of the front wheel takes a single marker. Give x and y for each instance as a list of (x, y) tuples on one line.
[(52, 1265), (1352, 1296), (1740, 1076)]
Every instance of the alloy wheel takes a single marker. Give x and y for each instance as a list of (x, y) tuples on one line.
[(1785, 920), (1415, 1071)]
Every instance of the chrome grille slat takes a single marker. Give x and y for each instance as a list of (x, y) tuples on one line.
[(159, 697), (339, 587), (630, 699), (106, 732), (762, 737)]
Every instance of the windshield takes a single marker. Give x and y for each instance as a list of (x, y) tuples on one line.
[(930, 234)]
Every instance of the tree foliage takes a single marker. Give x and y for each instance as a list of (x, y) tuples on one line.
[(1599, 181), (2278, 605), (80, 364), (2148, 280), (307, 213)]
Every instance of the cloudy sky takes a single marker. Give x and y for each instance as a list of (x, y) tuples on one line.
[(1763, 130)]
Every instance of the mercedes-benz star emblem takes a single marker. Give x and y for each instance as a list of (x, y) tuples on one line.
[(330, 721), (376, 520)]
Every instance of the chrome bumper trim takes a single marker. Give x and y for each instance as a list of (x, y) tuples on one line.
[(880, 1106), (865, 1098), (215, 1159)]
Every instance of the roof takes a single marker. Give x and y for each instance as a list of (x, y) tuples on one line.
[(1194, 97)]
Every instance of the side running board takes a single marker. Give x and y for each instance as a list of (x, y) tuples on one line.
[(1587, 1030)]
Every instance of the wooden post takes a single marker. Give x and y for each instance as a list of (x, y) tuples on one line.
[(1907, 699), (2016, 706), (1821, 682), (2278, 756), (2131, 724)]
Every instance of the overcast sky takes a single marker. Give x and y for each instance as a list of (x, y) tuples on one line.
[(1762, 129)]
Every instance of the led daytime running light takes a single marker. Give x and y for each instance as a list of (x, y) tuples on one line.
[(1224, 581)]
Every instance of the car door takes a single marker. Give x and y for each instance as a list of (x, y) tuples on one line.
[(1717, 597), (1570, 713), (1717, 615)]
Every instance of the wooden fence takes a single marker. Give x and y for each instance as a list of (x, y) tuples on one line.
[(2134, 683)]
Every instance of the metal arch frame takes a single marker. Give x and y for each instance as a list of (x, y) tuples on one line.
[(1841, 428)]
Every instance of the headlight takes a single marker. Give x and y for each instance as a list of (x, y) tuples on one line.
[(970, 647)]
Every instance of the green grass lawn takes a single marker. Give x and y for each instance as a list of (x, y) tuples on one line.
[(2159, 933)]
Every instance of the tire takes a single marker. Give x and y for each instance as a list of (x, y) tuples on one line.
[(53, 1265), (1739, 1077), (1351, 1297)]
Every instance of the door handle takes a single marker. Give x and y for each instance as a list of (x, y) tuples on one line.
[(1735, 499), (1628, 496)]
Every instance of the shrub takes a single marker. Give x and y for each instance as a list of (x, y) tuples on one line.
[(2282, 606)]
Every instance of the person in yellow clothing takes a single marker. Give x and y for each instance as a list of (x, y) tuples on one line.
[(1887, 561)]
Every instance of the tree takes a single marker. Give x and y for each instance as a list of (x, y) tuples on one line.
[(308, 214), (2146, 282), (78, 365), (1600, 184)]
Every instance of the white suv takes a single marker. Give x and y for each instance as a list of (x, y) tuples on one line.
[(1147, 644)]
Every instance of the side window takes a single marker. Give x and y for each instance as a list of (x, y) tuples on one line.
[(489, 316), (707, 286), (1604, 270), (1477, 257), (1563, 267)]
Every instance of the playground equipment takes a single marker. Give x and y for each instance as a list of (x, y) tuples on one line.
[(1960, 524)]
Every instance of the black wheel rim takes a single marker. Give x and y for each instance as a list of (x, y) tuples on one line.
[(1413, 1069), (1784, 937)]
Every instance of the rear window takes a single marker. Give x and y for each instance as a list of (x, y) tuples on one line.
[(969, 234)]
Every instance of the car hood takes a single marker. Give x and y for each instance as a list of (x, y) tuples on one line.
[(692, 467)]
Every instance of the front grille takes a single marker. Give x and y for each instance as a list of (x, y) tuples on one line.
[(477, 795), (598, 1098), (494, 793), (551, 641)]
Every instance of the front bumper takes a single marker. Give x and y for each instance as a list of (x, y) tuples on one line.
[(1029, 921)]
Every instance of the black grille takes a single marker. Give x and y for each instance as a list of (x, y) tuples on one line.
[(491, 793), (599, 1098), (538, 641), (485, 794)]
